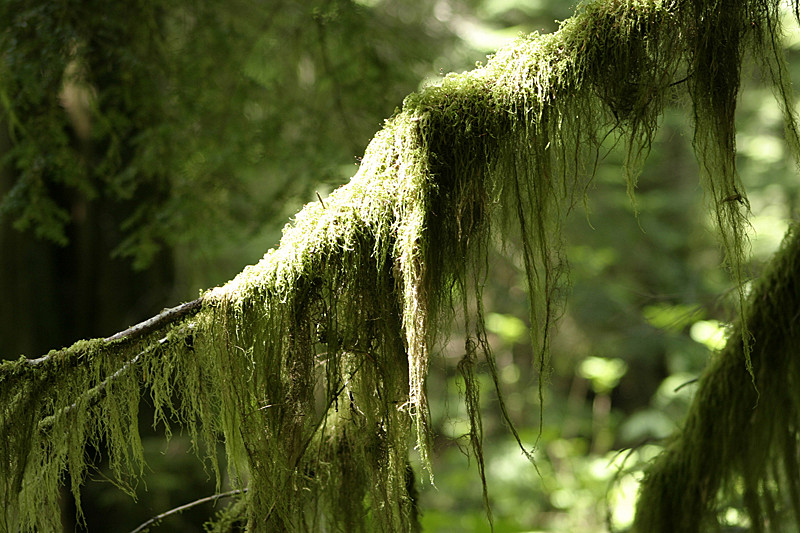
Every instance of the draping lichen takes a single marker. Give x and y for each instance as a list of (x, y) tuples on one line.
[(310, 366), (738, 447)]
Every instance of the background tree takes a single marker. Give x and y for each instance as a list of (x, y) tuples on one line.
[(617, 61)]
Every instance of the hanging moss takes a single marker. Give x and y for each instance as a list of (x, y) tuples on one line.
[(310, 366), (738, 448)]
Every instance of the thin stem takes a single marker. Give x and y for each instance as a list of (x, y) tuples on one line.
[(165, 317), (144, 526)]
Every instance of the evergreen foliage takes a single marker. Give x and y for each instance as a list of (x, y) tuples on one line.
[(128, 105), (311, 364)]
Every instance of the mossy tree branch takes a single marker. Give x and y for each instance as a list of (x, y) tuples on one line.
[(361, 287), (738, 440)]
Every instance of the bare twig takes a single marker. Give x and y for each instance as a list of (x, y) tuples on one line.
[(165, 317), (153, 521), (682, 80), (682, 385), (151, 324)]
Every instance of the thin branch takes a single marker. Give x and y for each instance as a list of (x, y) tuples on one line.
[(95, 394), (153, 521), (166, 316), (683, 80), (685, 384), (162, 319)]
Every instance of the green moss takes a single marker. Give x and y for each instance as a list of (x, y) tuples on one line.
[(738, 447), (311, 365)]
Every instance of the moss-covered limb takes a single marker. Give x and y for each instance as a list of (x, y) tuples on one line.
[(96, 393), (311, 364), (52, 410), (385, 251), (739, 446), (160, 321), (53, 406)]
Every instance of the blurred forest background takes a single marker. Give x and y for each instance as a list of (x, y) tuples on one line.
[(151, 149)]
